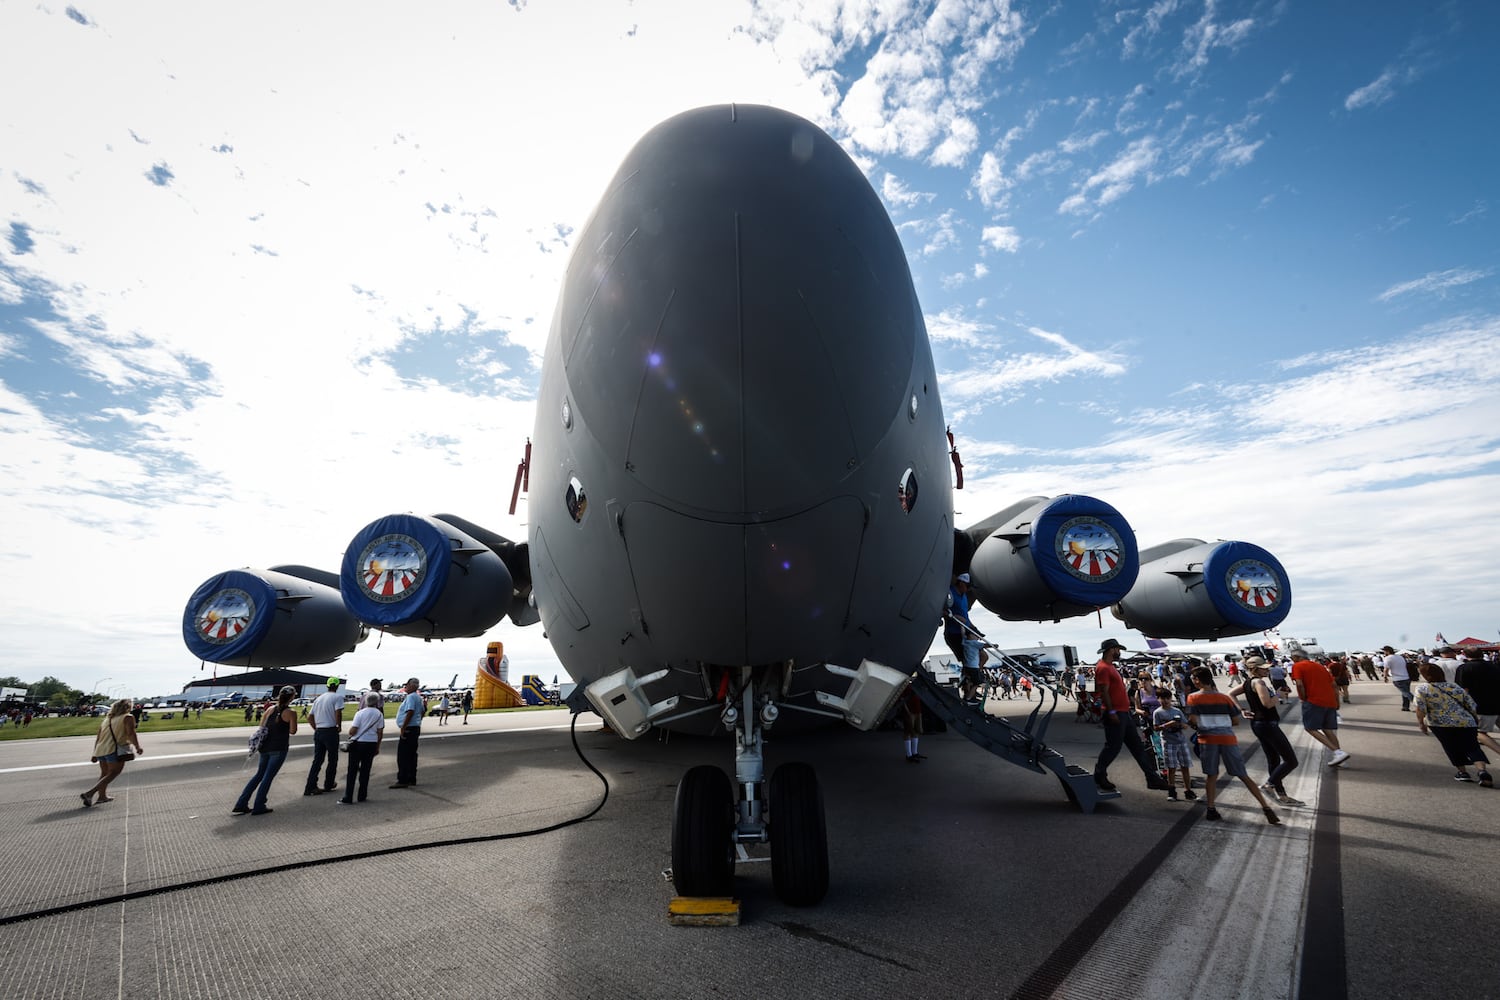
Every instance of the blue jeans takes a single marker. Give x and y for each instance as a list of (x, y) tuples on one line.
[(270, 763), (1405, 688), (325, 744)]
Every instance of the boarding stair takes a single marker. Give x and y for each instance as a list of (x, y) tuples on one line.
[(1024, 746)]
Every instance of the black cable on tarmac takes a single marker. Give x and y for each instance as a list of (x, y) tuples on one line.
[(123, 897)]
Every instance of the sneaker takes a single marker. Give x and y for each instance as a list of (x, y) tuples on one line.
[(911, 758), (1104, 784), (261, 812), (1190, 795), (1156, 784), (1339, 756), (1212, 813), (346, 802), (1287, 800), (1271, 816), (401, 784), (1269, 789), (1463, 776), (313, 791), (1486, 780), (1171, 795), (239, 810), (331, 788), (87, 801)]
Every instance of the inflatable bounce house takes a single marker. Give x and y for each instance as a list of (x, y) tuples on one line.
[(491, 688)]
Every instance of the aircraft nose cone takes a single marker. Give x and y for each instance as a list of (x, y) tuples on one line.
[(757, 370)]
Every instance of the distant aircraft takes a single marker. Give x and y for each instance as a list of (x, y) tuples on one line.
[(741, 515)]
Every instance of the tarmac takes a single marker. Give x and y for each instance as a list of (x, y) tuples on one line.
[(960, 876)]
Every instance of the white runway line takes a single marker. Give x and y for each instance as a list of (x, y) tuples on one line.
[(1233, 890), (151, 758)]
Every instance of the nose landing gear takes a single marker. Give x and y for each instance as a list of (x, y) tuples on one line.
[(707, 822)]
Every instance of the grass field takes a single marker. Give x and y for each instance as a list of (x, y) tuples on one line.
[(223, 718)]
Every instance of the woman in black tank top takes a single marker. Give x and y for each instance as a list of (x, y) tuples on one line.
[(1265, 723), (280, 724)]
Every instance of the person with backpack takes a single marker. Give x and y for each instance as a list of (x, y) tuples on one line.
[(279, 726)]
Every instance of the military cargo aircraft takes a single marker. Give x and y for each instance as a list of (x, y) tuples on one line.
[(740, 510)]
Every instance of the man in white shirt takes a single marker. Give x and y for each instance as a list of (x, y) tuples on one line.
[(1396, 671), (328, 719)]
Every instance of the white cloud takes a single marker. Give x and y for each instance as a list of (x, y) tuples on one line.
[(990, 182), (952, 327), (925, 77), (1434, 283), (896, 193), (1374, 93), (997, 378), (1115, 179), (1002, 238), (1207, 34)]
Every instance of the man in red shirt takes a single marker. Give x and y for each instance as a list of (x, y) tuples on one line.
[(1119, 722), (1320, 706)]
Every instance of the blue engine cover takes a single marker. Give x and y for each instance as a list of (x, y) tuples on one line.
[(419, 576), (395, 569), (228, 616), (265, 618), (1046, 559), (1084, 550), (1247, 585)]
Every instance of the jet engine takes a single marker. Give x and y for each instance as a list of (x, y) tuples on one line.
[(283, 617), (424, 577), (1192, 589), (1046, 559)]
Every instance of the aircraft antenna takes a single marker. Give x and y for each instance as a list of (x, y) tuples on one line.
[(958, 463), (523, 477)]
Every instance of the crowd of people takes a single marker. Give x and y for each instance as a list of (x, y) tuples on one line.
[(1456, 701), (118, 742), (1167, 712)]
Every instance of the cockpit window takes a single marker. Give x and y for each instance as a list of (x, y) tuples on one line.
[(906, 490), (578, 503)]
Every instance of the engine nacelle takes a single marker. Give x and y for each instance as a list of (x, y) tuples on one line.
[(284, 617), (1046, 559), (1192, 589), (419, 576)]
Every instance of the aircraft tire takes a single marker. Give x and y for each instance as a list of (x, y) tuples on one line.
[(702, 829), (799, 836)]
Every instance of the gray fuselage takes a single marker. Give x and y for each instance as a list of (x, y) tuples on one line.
[(739, 448)]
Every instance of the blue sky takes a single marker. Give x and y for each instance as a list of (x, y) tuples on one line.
[(1232, 267)]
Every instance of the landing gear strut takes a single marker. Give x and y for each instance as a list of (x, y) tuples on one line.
[(708, 822)]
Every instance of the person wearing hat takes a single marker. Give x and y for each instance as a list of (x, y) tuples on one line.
[(1120, 727), (1265, 723), (328, 721), (964, 639)]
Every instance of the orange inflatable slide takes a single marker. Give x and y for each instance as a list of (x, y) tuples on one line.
[(491, 689)]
